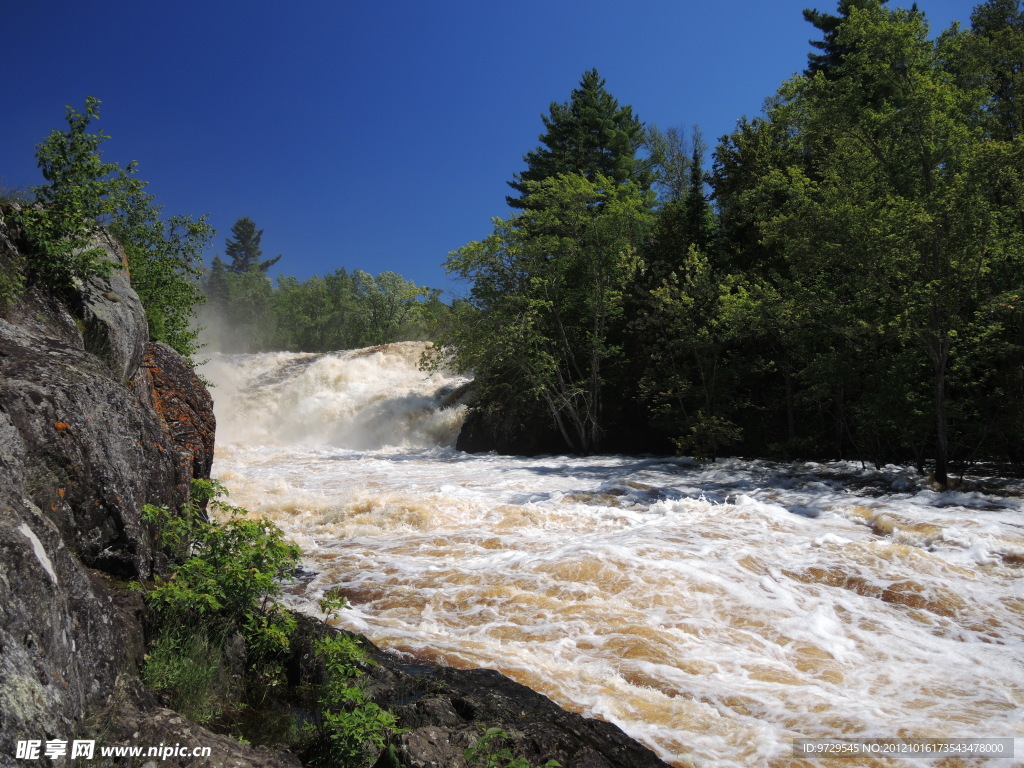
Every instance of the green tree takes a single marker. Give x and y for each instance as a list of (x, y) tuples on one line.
[(252, 321), (84, 195), (905, 228), (545, 312), (669, 156), (832, 50), (992, 57), (215, 287), (682, 335), (164, 258), (243, 247), (590, 135), (72, 204)]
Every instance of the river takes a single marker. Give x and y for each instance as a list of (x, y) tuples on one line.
[(715, 612)]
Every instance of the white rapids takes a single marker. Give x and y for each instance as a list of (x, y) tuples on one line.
[(716, 613)]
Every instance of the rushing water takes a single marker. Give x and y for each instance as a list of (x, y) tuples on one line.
[(715, 613)]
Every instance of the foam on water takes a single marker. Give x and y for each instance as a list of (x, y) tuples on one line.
[(715, 613)]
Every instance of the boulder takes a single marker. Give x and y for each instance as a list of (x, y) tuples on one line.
[(184, 405), (114, 326), (94, 454)]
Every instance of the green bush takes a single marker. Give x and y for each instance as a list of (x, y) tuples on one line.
[(348, 729), (226, 574), (219, 636), (489, 752), (220, 639)]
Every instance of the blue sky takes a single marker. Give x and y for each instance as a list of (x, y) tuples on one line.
[(375, 135)]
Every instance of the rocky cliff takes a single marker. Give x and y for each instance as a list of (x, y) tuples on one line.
[(95, 422)]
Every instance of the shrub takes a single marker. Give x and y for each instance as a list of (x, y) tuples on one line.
[(84, 194), (348, 729), (219, 634), (489, 752)]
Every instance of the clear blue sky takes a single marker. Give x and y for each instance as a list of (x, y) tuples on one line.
[(374, 135)]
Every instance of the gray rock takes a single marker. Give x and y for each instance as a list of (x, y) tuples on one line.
[(114, 320)]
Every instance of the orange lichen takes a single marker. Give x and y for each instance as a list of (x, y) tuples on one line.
[(62, 427)]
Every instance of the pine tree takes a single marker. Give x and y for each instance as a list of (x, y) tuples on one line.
[(589, 135), (244, 249), (832, 53)]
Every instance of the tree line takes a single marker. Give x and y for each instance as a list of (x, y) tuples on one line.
[(846, 281), (246, 312), (57, 226)]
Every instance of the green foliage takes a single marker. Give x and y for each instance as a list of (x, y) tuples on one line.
[(546, 308), (668, 158), (221, 638), (870, 210), (853, 291), (190, 665), (228, 573), (489, 752), (59, 231), (344, 310), (332, 603), (164, 257), (832, 49), (590, 135), (85, 193), (349, 728), (217, 607)]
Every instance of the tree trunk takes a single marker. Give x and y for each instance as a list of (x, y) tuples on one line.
[(941, 421)]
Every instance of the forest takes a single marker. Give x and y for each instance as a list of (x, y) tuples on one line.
[(845, 281), (840, 277)]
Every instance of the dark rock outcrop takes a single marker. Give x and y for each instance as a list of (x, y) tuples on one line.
[(445, 712), (183, 403)]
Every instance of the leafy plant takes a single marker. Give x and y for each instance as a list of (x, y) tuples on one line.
[(349, 729), (220, 634), (60, 228), (229, 572), (489, 752)]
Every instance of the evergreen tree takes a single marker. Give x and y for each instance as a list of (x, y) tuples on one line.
[(589, 135), (216, 287), (832, 52), (244, 248)]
